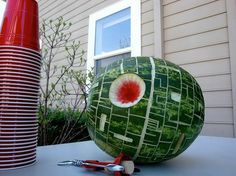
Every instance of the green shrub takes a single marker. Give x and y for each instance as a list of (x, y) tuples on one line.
[(63, 126)]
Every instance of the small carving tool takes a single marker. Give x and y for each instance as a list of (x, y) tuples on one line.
[(122, 165)]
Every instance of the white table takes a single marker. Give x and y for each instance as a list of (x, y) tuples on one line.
[(207, 156)]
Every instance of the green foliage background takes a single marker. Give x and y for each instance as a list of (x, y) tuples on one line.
[(57, 118)]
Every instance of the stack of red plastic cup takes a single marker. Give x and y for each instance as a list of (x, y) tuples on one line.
[(20, 63)]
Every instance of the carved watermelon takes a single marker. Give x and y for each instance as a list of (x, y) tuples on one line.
[(148, 108)]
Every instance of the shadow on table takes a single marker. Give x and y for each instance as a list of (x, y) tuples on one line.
[(185, 163)]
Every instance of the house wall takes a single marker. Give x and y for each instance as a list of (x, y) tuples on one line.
[(77, 12), (195, 36)]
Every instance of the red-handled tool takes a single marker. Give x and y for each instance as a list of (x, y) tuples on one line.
[(122, 165)]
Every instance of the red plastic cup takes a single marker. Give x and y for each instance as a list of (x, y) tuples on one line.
[(20, 60), (18, 163), (20, 63), (16, 151), (20, 24), (19, 49)]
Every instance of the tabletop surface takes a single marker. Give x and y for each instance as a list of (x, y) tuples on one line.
[(207, 156)]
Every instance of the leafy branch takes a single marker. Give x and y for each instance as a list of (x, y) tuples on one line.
[(62, 87)]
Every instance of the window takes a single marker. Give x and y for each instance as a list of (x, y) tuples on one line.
[(114, 33)]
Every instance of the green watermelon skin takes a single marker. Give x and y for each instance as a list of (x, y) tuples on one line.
[(161, 125)]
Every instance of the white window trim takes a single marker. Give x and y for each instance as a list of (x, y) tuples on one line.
[(135, 48)]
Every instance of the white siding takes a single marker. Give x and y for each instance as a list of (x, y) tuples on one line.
[(207, 53), (231, 19), (200, 26), (188, 15), (147, 28), (218, 129), (196, 38), (214, 37), (77, 12)]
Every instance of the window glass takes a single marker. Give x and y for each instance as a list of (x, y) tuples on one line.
[(102, 63), (113, 32)]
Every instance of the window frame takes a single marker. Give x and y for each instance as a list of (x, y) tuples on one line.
[(135, 33)]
